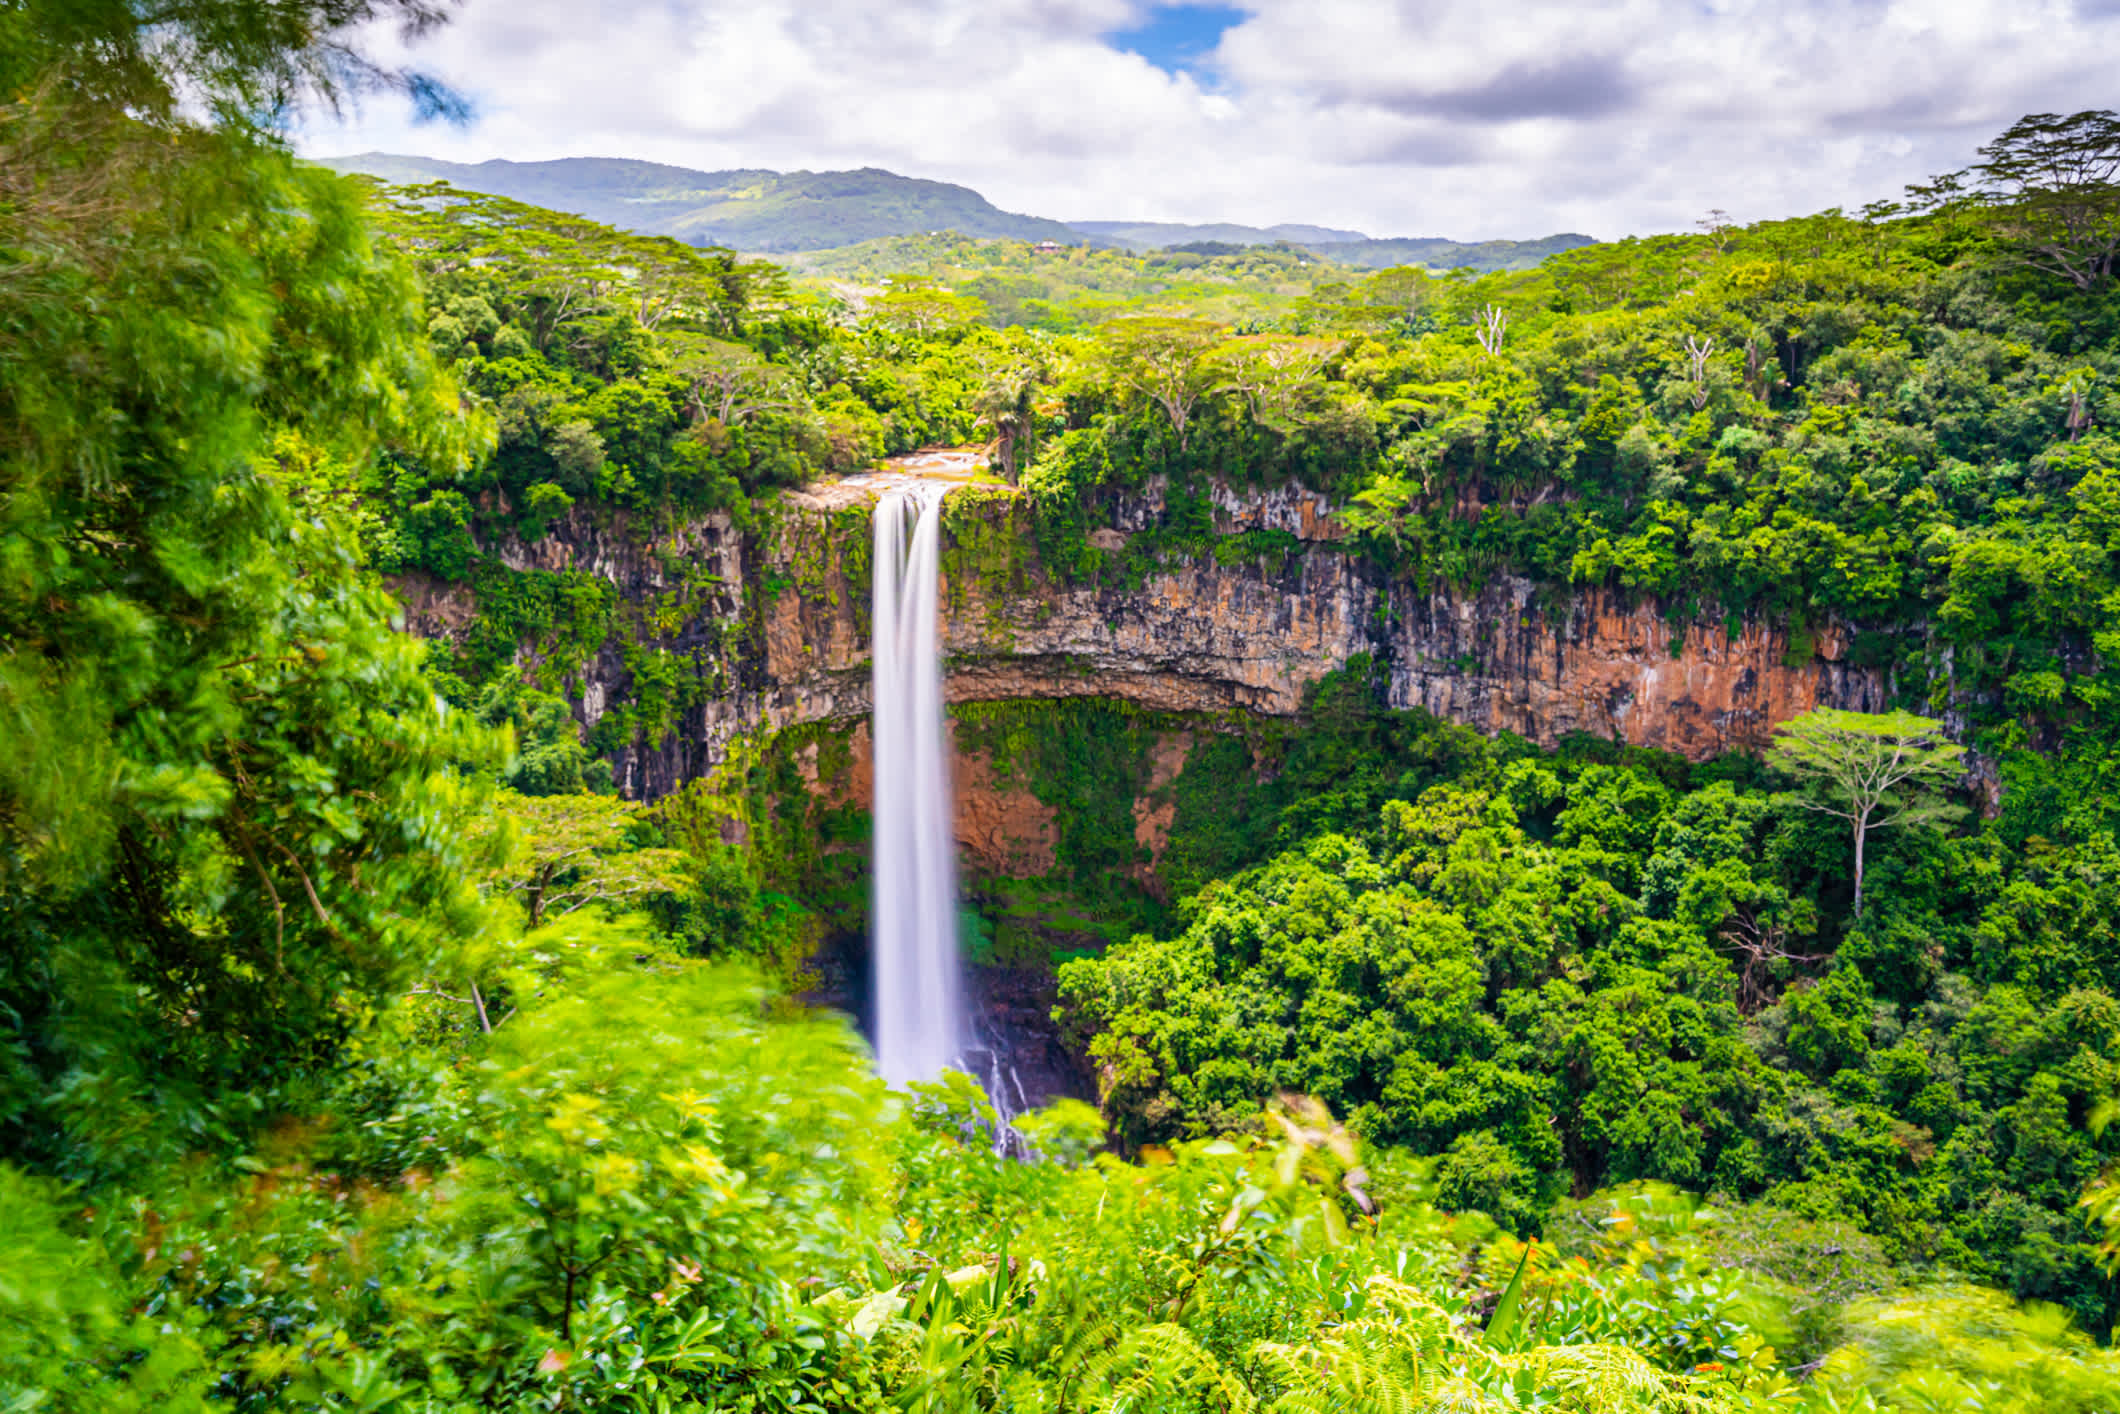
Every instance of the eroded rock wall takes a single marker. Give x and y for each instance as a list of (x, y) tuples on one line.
[(783, 626)]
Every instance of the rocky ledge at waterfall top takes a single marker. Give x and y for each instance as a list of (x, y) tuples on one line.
[(781, 635)]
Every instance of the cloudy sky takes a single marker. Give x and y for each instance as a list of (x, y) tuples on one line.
[(1463, 118)]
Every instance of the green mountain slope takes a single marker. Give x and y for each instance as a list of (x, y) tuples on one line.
[(752, 210), (1161, 235), (1341, 247), (1438, 254)]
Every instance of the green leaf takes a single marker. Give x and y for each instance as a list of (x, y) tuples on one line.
[(1508, 1314)]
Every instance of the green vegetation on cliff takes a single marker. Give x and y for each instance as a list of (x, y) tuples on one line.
[(1885, 423)]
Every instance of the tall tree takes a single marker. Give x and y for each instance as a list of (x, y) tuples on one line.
[(916, 305), (570, 850), (729, 383), (1277, 374), (1164, 359), (1005, 406), (560, 271), (2051, 184), (1874, 771), (226, 829)]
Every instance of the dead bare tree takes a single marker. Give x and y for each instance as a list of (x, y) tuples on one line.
[(2079, 411), (1757, 943), (476, 1001), (1494, 322), (1762, 378), (1697, 352)]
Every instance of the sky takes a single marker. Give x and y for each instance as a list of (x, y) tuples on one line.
[(1468, 119)]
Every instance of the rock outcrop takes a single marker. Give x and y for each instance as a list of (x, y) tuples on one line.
[(783, 622)]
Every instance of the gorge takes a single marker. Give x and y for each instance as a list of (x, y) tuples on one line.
[(1190, 649)]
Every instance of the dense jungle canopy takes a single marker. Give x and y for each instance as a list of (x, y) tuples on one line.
[(362, 1049)]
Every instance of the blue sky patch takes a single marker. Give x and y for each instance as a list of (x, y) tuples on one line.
[(1178, 36)]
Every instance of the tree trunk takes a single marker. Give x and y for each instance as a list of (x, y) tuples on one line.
[(544, 881), (1862, 828)]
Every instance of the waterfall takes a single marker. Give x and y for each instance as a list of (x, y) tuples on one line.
[(913, 921)]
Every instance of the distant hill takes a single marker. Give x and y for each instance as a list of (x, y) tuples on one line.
[(1161, 235), (778, 213), (1341, 247), (751, 210), (1438, 254)]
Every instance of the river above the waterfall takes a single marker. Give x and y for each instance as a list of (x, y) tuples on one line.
[(946, 466)]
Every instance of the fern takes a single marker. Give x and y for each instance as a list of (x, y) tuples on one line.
[(1343, 1377), (1162, 1367), (1612, 1379), (1386, 1361), (1405, 1355)]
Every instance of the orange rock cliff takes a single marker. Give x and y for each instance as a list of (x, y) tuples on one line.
[(775, 626)]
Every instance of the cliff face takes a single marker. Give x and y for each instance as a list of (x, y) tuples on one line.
[(778, 637)]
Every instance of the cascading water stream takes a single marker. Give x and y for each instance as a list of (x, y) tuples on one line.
[(920, 1025), (921, 1021)]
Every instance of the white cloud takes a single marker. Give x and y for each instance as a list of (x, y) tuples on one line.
[(1466, 118)]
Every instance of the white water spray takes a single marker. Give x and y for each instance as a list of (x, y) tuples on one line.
[(913, 939)]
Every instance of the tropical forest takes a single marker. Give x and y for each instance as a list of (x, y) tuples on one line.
[(595, 820)]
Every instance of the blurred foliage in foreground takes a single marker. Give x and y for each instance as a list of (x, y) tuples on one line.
[(645, 1190)]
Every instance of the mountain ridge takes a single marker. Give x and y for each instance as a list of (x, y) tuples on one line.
[(752, 209), (765, 212)]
